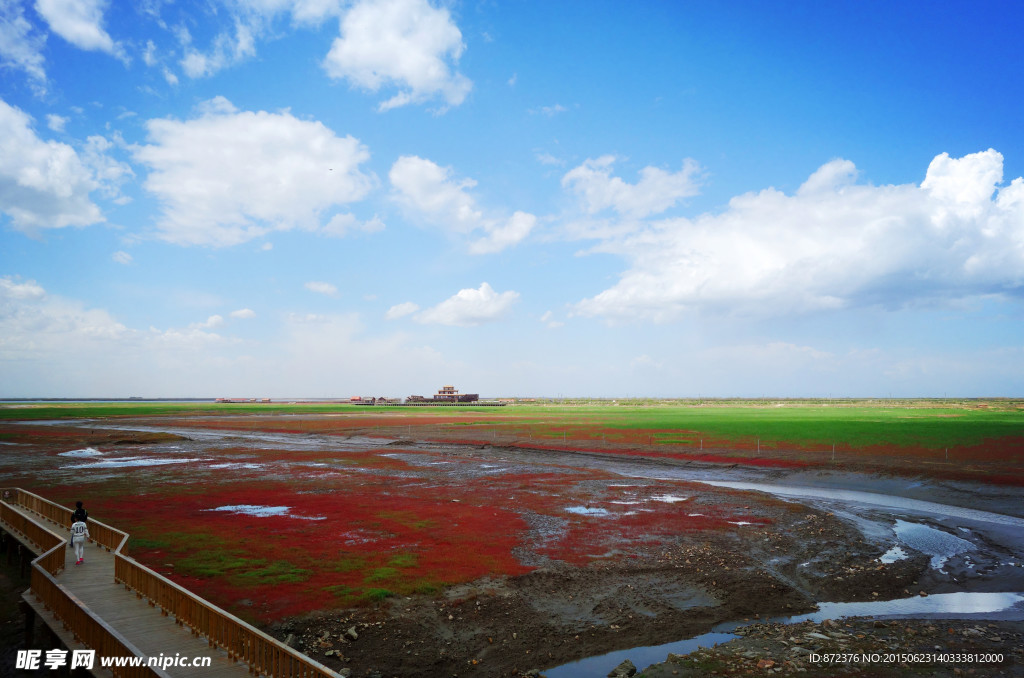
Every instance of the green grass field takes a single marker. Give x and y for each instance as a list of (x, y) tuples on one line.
[(931, 424)]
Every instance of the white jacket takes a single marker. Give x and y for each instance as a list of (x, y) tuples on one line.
[(79, 530)]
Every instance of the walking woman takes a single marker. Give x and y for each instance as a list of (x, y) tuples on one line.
[(79, 533)]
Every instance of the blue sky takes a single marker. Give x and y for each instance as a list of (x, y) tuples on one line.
[(326, 198)]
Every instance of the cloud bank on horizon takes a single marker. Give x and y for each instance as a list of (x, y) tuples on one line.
[(321, 198)]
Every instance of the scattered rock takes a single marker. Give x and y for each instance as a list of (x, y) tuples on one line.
[(623, 670)]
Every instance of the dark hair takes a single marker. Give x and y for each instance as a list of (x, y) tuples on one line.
[(78, 504)]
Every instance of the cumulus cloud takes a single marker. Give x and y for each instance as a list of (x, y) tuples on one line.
[(433, 193), (243, 314), (833, 244), (408, 44), (401, 310), (21, 47), (228, 176), (656, 191), (325, 288), (80, 22), (43, 184), (470, 307)]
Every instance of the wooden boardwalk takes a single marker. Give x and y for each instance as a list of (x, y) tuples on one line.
[(152, 632), (140, 623)]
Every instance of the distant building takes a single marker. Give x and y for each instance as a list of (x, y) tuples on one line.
[(451, 395)]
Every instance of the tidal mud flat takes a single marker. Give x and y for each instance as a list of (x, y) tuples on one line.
[(816, 549), (577, 554)]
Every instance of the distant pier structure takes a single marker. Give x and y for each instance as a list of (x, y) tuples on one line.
[(449, 394), (445, 395)]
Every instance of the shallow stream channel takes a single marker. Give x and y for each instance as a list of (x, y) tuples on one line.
[(886, 517)]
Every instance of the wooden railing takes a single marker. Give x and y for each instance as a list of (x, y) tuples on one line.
[(86, 627), (102, 534), (263, 654), (43, 539)]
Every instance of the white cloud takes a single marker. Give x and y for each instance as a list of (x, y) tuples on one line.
[(56, 122), (341, 225), (401, 310), (80, 22), (655, 192), (545, 158), (321, 288), (227, 176), (122, 257), (21, 47), (43, 184), (208, 324), (309, 12), (243, 314), (646, 362), (548, 319), (109, 172), (470, 307), (408, 44), (549, 111), (318, 348), (51, 344), (149, 54), (502, 235), (229, 48), (834, 244), (433, 193), (33, 323)]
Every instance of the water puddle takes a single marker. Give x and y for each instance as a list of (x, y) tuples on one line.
[(893, 554), (641, 656), (87, 452), (263, 511), (254, 510), (586, 511), (961, 604), (668, 498), (235, 465), (941, 546), (123, 462), (948, 605)]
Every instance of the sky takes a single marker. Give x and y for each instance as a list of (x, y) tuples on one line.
[(330, 198)]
